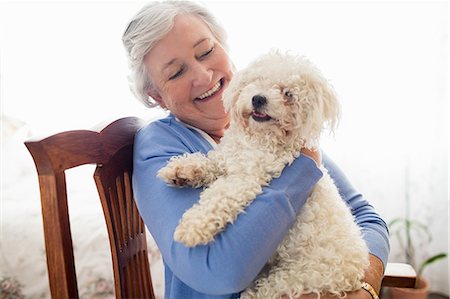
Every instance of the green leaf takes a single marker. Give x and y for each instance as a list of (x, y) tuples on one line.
[(431, 260), (408, 225), (394, 221)]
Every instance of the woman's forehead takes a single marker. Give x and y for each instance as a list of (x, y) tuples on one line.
[(187, 34)]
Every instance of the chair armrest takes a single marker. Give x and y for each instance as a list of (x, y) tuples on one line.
[(399, 275)]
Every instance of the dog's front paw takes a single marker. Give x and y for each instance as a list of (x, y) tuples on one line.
[(172, 175), (181, 174)]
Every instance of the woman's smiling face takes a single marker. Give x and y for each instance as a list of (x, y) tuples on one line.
[(190, 71)]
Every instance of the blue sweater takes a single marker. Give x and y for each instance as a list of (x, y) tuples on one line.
[(223, 268)]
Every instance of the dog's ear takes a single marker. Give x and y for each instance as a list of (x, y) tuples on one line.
[(320, 107), (330, 105), (232, 92)]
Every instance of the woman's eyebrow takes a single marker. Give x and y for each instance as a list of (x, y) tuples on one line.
[(172, 61), (166, 65), (201, 41)]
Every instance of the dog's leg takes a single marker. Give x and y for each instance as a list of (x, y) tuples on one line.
[(194, 170), (219, 205)]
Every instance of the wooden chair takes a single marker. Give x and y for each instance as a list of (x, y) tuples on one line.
[(111, 150)]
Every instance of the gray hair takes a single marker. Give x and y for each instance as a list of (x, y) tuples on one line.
[(148, 27)]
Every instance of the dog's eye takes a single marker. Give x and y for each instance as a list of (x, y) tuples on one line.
[(287, 93)]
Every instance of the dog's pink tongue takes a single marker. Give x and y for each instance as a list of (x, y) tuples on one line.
[(259, 114)]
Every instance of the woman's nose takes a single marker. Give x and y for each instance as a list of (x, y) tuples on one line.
[(202, 75)]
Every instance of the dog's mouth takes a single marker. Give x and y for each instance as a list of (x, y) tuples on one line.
[(260, 116)]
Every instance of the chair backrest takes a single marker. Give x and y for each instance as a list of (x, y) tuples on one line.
[(111, 149)]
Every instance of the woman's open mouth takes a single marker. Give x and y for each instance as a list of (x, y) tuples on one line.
[(216, 88), (259, 116)]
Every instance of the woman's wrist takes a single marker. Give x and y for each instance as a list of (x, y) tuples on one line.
[(374, 274)]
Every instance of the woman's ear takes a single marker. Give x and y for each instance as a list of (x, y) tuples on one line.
[(154, 94)]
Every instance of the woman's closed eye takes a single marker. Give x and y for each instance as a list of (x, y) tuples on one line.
[(202, 56), (177, 74), (206, 54)]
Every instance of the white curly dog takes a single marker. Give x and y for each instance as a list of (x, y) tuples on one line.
[(278, 104)]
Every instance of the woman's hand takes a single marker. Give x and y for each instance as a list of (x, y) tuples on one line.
[(313, 154)]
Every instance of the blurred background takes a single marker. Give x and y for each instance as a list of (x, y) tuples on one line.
[(63, 67)]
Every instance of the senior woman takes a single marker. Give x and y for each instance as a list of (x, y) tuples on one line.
[(178, 58)]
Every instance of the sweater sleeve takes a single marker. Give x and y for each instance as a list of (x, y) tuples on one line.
[(232, 261), (373, 227)]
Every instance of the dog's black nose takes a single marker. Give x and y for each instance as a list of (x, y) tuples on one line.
[(259, 101)]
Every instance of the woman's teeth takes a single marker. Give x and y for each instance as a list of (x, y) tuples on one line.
[(211, 91)]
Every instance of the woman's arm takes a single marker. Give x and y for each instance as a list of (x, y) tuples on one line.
[(236, 255)]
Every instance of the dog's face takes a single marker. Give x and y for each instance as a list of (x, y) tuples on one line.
[(284, 96)]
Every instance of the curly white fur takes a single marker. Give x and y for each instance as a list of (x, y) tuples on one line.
[(324, 250)]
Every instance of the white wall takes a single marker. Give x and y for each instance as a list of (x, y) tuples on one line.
[(63, 67)]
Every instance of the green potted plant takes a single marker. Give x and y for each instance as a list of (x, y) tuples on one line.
[(411, 234)]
